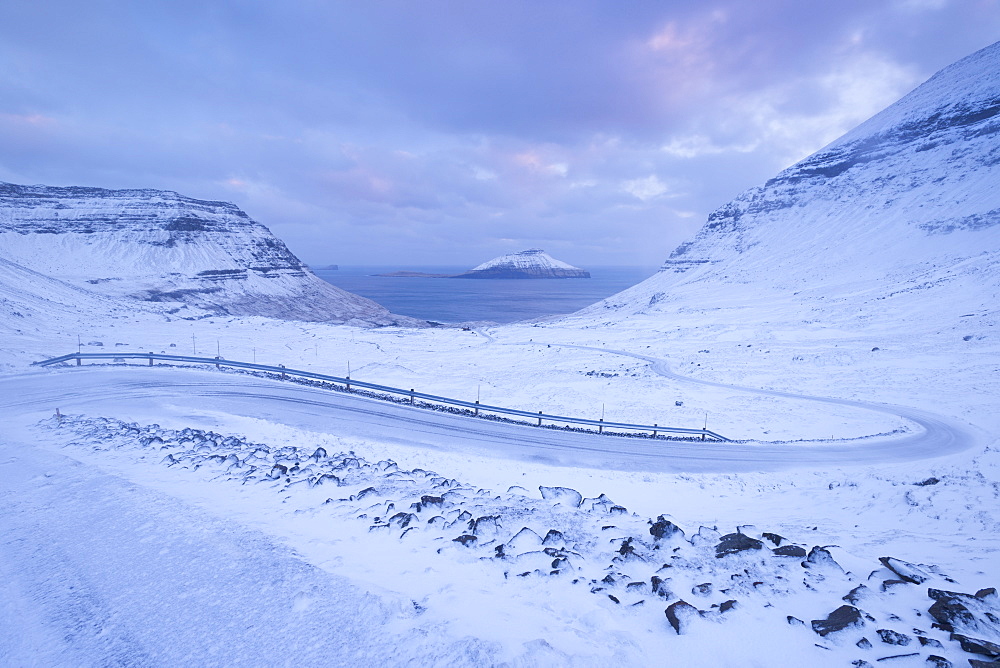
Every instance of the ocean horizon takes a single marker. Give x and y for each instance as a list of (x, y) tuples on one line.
[(452, 300)]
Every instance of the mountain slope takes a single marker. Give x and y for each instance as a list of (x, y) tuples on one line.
[(895, 223), (160, 246)]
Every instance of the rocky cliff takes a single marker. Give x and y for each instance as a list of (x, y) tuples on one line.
[(159, 246), (531, 263)]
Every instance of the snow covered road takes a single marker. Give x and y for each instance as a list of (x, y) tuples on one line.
[(182, 395)]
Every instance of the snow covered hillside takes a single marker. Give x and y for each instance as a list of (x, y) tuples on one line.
[(897, 223), (839, 322), (158, 246), (531, 263)]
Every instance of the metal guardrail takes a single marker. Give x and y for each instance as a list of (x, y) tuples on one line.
[(475, 406)]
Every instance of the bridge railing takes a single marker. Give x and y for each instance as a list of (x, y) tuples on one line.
[(410, 394)]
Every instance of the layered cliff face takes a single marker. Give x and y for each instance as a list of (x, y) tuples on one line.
[(159, 246), (531, 263), (898, 220)]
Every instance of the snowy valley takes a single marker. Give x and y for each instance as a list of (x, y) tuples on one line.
[(839, 323)]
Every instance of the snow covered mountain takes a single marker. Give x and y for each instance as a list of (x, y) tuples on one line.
[(898, 221), (159, 246), (531, 263)]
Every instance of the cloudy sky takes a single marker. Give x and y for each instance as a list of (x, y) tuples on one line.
[(421, 132)]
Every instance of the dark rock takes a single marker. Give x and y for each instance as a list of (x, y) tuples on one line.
[(844, 617), (794, 621), (861, 663), (553, 537), (891, 637), (428, 500), (664, 529), (820, 557), (964, 613), (614, 598), (864, 643), (402, 520), (726, 606), (635, 586), (977, 645), (929, 481), (935, 661), (856, 595), (977, 663), (732, 543), (681, 614), (465, 540), (789, 551), (626, 548), (929, 642), (989, 593), (703, 589), (659, 587), (319, 454), (905, 570), (890, 584), (775, 539)]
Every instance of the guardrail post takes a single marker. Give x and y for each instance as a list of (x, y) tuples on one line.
[(703, 435), (411, 396), (539, 419), (283, 376), (600, 427), (348, 383), (79, 360), (217, 364), (150, 359), (654, 431), (477, 406)]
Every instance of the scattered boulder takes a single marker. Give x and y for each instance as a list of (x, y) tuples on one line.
[(554, 537), (929, 642), (929, 481), (864, 643), (889, 585), (794, 621), (563, 495), (789, 551), (660, 587), (891, 637), (732, 543), (820, 557), (858, 594), (775, 539), (935, 661), (681, 615), (977, 646), (978, 663), (664, 529), (524, 541), (965, 613), (844, 617), (465, 539), (703, 589), (905, 570)]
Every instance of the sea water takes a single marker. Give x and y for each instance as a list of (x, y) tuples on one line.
[(455, 300)]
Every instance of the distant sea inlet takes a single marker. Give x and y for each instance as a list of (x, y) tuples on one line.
[(501, 300)]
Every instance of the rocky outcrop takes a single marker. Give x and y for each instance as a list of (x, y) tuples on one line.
[(159, 246), (531, 263)]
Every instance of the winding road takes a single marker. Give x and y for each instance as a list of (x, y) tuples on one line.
[(190, 397)]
